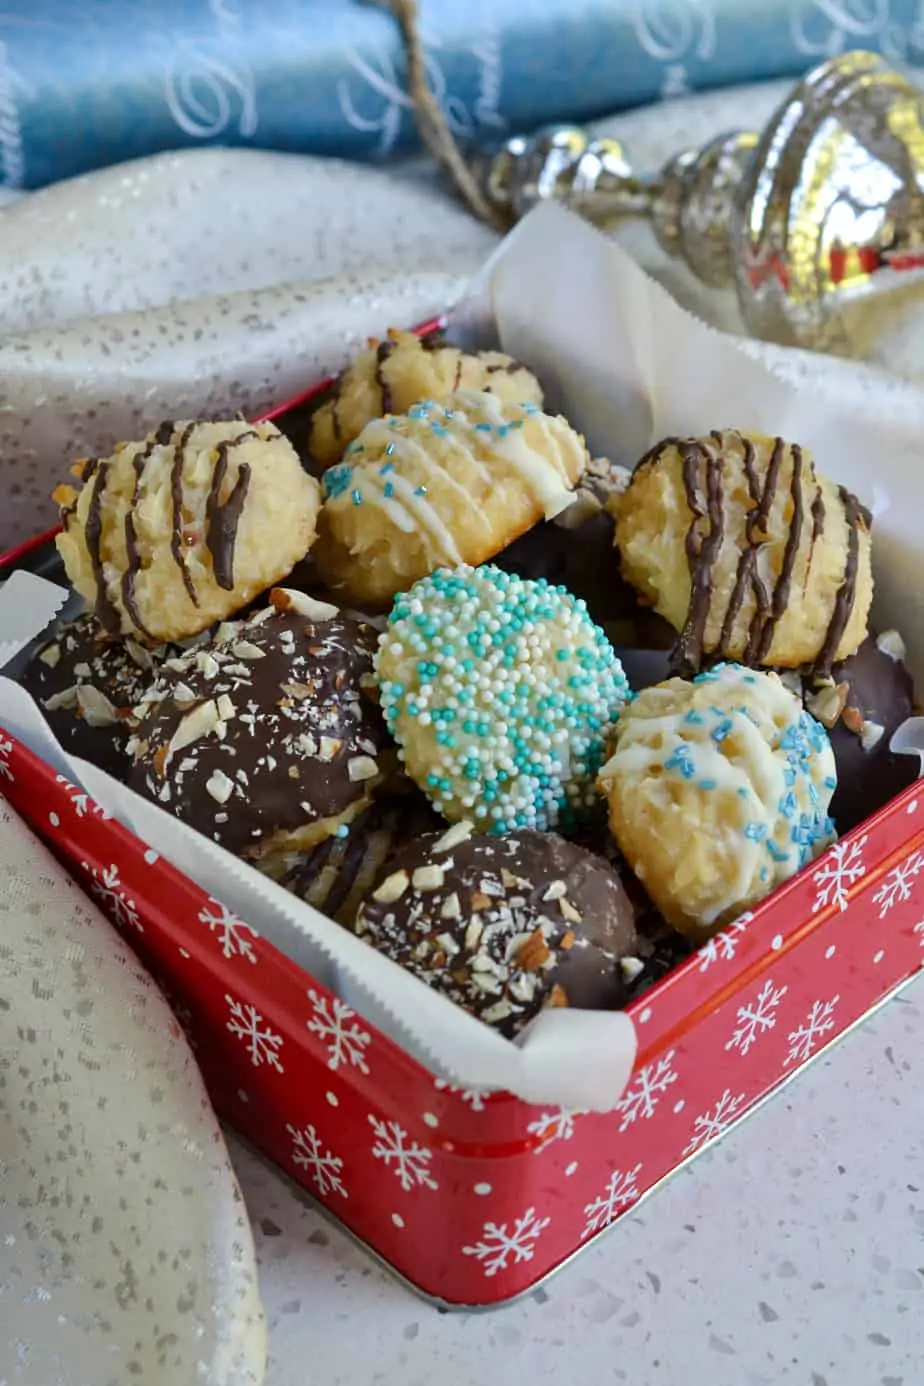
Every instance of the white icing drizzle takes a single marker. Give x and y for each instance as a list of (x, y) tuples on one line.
[(410, 513), (546, 479)]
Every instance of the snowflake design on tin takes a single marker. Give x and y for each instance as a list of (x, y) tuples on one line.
[(249, 1026), (231, 931), (804, 1040), (841, 867), (709, 1125), (108, 890), (323, 1166), (641, 1097), (554, 1126), (336, 1026), (896, 888), (756, 1018), (620, 1193), (724, 944), (6, 751), (475, 1097), (80, 800), (498, 1245), (407, 1159), (919, 930)]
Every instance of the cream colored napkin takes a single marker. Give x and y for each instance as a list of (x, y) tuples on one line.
[(125, 1250)]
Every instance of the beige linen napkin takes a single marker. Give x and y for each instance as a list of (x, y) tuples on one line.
[(125, 1250)]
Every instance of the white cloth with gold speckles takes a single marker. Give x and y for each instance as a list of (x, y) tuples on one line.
[(125, 1249)]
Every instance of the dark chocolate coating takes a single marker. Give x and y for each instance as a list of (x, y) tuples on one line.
[(537, 919), (880, 690), (336, 874), (277, 756), (82, 657)]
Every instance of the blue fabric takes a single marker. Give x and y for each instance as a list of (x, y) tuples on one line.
[(85, 83)]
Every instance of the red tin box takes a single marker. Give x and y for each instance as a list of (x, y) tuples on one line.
[(475, 1198)]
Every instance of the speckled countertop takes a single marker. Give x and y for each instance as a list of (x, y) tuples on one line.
[(793, 1252)]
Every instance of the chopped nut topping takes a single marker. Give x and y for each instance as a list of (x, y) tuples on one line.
[(852, 719), (473, 933), (448, 944), (428, 878), (161, 756), (871, 733), (207, 664), (568, 910), (226, 709), (67, 698), (95, 708), (51, 655), (534, 953), (480, 901), (287, 599), (202, 720), (631, 967), (828, 703), (555, 891), (523, 987), (361, 768), (557, 996), (451, 908), (566, 941), (243, 649), (83, 670), (392, 888), (219, 786), (499, 1011), (484, 981), (458, 833), (329, 747)]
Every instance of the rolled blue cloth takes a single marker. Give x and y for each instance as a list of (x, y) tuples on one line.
[(86, 83)]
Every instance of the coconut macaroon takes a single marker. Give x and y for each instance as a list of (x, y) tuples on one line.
[(265, 739), (718, 791), (394, 374), (178, 531), (443, 485), (502, 694), (747, 551)]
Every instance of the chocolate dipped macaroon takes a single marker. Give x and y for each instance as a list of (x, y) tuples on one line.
[(87, 686), (265, 739), (749, 553), (504, 926)]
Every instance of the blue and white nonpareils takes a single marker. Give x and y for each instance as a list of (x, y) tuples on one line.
[(501, 693)]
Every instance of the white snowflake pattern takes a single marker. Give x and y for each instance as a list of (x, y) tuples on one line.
[(475, 1097), (554, 1126), (715, 1121), (804, 1040), (919, 930), (643, 1093), (620, 1193), (262, 1043), (756, 1017), (108, 889), (497, 1244), (324, 1167), (336, 1026), (6, 750), (896, 888), (840, 868), (724, 944), (81, 801), (231, 931), (408, 1160)]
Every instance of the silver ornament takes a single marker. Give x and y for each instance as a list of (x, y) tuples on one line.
[(811, 219)]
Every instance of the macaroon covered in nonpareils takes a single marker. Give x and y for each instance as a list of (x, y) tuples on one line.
[(502, 694)]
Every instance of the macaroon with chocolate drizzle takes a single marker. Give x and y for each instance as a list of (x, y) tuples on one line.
[(171, 534), (505, 926), (265, 738), (747, 551), (394, 374)]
